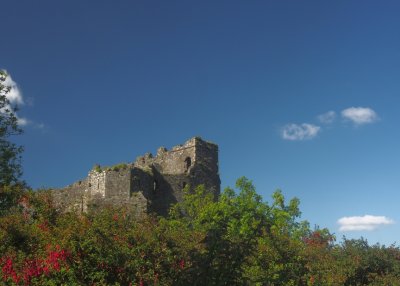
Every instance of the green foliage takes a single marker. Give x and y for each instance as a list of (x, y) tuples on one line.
[(10, 196), (370, 264), (235, 229), (97, 168), (118, 167), (236, 239)]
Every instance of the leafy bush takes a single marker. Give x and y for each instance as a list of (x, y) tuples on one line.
[(237, 239)]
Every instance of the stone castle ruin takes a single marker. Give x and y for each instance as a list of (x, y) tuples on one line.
[(150, 184)]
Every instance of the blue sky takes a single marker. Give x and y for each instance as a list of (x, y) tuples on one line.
[(104, 82)]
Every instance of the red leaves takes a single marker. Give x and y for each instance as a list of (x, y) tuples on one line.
[(8, 270), (55, 258), (318, 239), (34, 267), (182, 264)]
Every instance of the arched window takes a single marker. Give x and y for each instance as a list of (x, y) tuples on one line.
[(188, 163)]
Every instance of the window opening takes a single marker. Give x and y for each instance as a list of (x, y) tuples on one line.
[(188, 163)]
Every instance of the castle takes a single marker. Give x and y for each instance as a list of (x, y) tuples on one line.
[(150, 184)]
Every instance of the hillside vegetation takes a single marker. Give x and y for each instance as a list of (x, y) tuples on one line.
[(237, 240)]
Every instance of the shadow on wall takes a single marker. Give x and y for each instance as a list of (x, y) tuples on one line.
[(163, 196)]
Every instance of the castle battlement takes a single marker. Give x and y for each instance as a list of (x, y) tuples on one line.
[(149, 184)]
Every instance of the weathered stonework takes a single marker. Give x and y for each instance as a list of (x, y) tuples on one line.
[(150, 184)]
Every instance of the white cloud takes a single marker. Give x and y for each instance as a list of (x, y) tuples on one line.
[(366, 222), (300, 132), (357, 115), (15, 98), (327, 117), (360, 115), (14, 95)]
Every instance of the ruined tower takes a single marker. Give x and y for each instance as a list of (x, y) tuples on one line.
[(150, 184)]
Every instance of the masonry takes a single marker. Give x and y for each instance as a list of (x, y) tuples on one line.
[(150, 184)]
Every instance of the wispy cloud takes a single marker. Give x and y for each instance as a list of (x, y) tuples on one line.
[(23, 121), (297, 132), (357, 115), (360, 115), (40, 126), (327, 117), (366, 222)]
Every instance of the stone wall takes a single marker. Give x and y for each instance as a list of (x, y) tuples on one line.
[(97, 184), (118, 184), (72, 197), (178, 160), (150, 184), (206, 169)]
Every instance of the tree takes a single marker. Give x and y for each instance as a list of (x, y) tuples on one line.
[(10, 153), (246, 240)]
